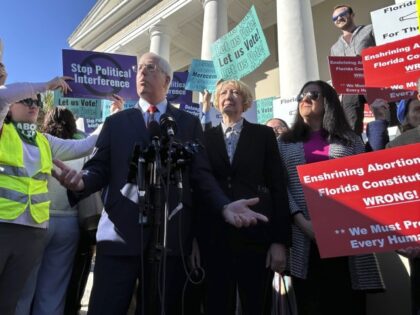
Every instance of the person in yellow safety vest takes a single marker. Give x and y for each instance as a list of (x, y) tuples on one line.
[(26, 157)]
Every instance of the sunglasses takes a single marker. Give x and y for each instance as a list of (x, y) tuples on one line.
[(29, 102), (313, 95), (342, 14)]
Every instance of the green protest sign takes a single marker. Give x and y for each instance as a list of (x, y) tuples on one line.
[(242, 50), (80, 107), (264, 109)]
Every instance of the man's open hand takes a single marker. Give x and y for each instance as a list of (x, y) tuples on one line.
[(239, 214)]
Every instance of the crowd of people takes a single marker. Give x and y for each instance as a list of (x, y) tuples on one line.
[(231, 216)]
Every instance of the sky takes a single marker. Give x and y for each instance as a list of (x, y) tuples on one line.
[(34, 32)]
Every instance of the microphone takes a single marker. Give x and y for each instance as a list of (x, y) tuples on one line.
[(168, 125), (154, 130), (132, 169)]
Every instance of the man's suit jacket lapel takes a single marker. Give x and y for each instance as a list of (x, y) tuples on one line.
[(138, 123)]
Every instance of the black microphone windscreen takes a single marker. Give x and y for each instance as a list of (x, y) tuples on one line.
[(168, 122), (154, 129)]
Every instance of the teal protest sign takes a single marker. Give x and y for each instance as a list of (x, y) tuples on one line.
[(106, 107), (264, 109), (80, 107), (201, 76), (242, 50)]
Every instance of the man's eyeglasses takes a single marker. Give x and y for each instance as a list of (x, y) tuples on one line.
[(342, 14), (149, 67), (29, 102), (313, 95)]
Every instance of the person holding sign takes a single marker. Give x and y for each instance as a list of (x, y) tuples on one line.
[(25, 165), (321, 132), (246, 163), (351, 43)]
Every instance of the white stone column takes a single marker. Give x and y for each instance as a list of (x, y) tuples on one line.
[(296, 45), (214, 24), (160, 40)]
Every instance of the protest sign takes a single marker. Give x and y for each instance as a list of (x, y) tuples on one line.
[(390, 95), (242, 50), (395, 22), (364, 203), (264, 109), (106, 107), (177, 92), (395, 65), (192, 108), (100, 75), (347, 74), (286, 109), (201, 76), (80, 107)]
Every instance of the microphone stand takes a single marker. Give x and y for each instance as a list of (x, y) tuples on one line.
[(165, 226), (155, 248)]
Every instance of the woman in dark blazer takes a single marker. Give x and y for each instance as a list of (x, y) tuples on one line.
[(245, 161), (321, 132)]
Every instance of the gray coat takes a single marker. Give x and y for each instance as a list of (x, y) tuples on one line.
[(364, 269)]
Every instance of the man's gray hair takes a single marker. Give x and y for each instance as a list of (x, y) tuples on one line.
[(164, 66)]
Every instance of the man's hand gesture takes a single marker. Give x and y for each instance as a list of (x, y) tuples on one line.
[(68, 177), (239, 214)]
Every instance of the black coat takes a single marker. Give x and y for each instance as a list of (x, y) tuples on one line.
[(256, 171)]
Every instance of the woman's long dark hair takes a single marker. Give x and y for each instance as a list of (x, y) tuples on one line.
[(334, 124), (60, 122)]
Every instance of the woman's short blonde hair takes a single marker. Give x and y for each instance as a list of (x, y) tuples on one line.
[(243, 89)]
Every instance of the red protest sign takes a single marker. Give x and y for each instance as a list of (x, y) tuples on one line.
[(395, 65), (390, 95), (347, 74), (365, 203)]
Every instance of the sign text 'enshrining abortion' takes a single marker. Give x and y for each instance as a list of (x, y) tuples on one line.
[(395, 65), (365, 203), (347, 74)]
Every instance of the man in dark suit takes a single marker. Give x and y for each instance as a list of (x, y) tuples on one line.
[(245, 161), (121, 239)]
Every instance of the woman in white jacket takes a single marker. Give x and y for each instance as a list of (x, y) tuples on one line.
[(25, 163)]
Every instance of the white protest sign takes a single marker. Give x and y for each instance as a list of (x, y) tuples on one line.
[(286, 109), (395, 22)]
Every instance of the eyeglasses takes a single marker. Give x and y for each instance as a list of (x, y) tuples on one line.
[(29, 102), (149, 67), (342, 14), (313, 95)]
